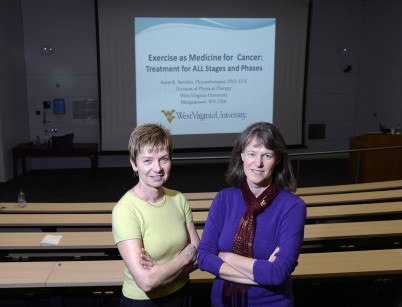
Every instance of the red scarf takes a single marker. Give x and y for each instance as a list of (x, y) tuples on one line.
[(235, 294)]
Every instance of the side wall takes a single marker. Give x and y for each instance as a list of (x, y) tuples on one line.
[(14, 124)]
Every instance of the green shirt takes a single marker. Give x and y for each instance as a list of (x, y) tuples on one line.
[(162, 229)]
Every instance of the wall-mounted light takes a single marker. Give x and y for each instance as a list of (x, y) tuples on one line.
[(343, 51), (46, 50)]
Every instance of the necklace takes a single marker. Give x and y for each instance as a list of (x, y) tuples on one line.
[(157, 204)]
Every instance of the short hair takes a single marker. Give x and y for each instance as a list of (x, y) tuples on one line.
[(270, 137), (154, 135)]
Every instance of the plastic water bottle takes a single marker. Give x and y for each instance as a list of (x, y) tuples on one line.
[(21, 199), (398, 130)]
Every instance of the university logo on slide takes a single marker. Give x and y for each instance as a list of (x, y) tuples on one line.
[(169, 115)]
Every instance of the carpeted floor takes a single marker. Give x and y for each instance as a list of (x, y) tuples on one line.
[(109, 184)]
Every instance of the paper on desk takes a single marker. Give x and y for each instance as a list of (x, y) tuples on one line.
[(50, 240)]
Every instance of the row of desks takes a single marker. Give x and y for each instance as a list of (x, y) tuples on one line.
[(350, 188), (105, 219), (200, 205), (104, 239), (323, 195), (99, 240), (332, 189), (108, 273)]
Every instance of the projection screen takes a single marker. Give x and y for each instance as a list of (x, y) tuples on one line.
[(205, 76)]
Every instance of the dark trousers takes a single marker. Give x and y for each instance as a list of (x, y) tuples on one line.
[(180, 298)]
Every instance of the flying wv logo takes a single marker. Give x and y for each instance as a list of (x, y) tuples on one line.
[(169, 115)]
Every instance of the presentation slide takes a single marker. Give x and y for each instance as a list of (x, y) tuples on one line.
[(205, 79), (204, 75)]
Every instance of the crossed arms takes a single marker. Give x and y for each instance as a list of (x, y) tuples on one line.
[(147, 273), (238, 268)]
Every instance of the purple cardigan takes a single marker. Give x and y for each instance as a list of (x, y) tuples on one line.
[(281, 224)]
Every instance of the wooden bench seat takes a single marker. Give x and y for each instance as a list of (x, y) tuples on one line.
[(110, 272)]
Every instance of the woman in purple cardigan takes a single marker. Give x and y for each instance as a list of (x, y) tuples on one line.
[(254, 231)]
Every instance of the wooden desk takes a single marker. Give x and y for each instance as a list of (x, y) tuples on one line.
[(337, 264), (376, 165), (200, 195), (204, 205), (358, 197), (110, 272), (339, 211), (60, 208), (105, 220), (351, 263), (200, 217), (29, 150), (351, 230), (355, 210), (70, 220), (83, 208), (350, 188), (104, 239), (327, 199), (56, 220), (24, 274), (6, 207), (70, 240), (316, 265), (343, 188), (201, 205), (86, 273)]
